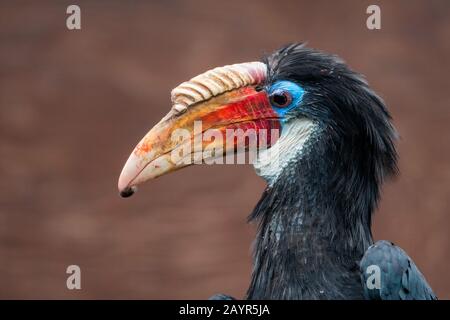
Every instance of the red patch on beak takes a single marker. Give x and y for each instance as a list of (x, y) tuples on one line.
[(250, 110)]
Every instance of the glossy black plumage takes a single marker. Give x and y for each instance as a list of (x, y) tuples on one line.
[(314, 222), (400, 277)]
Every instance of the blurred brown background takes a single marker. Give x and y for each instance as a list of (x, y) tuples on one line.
[(73, 104)]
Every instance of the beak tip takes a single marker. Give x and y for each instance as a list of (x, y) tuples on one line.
[(128, 192), (128, 174)]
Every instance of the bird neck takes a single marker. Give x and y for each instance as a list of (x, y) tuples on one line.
[(312, 230)]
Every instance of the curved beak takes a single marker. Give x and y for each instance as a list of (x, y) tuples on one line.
[(202, 133)]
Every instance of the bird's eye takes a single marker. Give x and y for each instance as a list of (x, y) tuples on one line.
[(280, 98)]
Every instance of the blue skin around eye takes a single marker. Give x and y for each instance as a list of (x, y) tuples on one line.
[(294, 89)]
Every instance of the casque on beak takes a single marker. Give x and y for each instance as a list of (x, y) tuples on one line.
[(219, 99)]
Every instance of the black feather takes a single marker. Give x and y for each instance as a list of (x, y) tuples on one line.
[(400, 277)]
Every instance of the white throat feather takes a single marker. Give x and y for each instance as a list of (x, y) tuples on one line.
[(271, 162)]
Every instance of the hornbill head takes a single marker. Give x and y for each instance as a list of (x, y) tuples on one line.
[(323, 111)]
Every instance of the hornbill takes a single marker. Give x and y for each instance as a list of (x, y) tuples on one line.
[(334, 150)]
